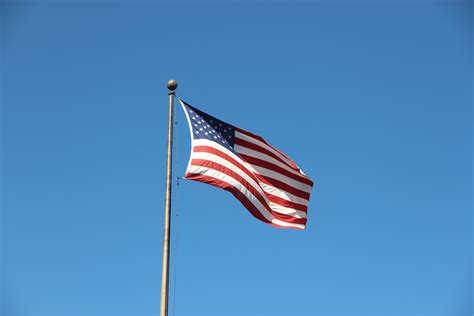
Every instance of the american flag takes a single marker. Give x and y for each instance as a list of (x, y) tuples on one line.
[(268, 183)]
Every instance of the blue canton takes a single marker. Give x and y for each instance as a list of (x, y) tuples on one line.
[(208, 127)]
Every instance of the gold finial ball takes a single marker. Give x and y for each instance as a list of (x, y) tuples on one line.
[(172, 84)]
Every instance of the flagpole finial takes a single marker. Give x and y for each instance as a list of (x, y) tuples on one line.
[(172, 85)]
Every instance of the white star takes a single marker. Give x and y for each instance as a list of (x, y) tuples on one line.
[(200, 129)]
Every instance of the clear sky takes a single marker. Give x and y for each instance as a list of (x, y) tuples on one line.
[(372, 100)]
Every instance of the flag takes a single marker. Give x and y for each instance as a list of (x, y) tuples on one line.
[(268, 183)]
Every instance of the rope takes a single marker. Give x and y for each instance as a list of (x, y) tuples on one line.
[(176, 239), (176, 224)]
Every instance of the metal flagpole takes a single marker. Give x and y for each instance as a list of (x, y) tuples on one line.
[(172, 85)]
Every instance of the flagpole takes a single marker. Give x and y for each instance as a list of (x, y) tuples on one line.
[(172, 85)]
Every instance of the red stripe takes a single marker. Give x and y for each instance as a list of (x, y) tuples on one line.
[(282, 202), (250, 135), (239, 195), (266, 143), (272, 182), (290, 189), (222, 169), (247, 144), (282, 186), (226, 186), (269, 165), (212, 150)]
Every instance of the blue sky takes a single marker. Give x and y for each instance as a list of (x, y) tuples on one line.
[(372, 100)]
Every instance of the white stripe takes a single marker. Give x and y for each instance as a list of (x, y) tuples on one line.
[(283, 194), (287, 210), (281, 177), (266, 187), (228, 179), (262, 144), (253, 183), (259, 155)]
